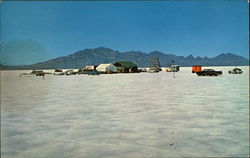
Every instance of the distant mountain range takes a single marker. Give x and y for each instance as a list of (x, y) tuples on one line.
[(106, 55)]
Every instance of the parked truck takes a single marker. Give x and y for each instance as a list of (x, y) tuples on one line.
[(173, 68)]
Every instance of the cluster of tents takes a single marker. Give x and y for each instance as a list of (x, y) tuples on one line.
[(118, 67)]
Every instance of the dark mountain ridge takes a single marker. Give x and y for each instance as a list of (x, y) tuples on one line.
[(106, 55)]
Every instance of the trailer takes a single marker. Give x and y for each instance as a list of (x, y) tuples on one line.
[(196, 68), (173, 68)]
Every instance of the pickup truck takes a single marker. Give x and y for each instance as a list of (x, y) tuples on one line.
[(209, 72)]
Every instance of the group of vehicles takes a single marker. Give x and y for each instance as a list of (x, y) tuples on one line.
[(72, 72), (212, 72), (59, 72), (173, 68), (34, 73), (68, 72)]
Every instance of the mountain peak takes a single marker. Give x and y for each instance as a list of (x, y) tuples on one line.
[(227, 55), (190, 56), (156, 53), (103, 49)]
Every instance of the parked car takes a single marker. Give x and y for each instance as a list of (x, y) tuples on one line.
[(34, 73), (37, 72), (58, 72), (93, 72), (153, 71), (70, 72), (142, 70), (81, 71), (209, 72), (235, 71)]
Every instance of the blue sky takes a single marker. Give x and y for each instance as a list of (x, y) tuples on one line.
[(52, 29)]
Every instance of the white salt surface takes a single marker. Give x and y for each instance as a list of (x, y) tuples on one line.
[(125, 115)]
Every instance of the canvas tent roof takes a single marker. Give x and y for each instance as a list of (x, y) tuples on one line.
[(102, 67)]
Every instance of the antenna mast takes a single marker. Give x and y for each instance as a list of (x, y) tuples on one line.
[(155, 64)]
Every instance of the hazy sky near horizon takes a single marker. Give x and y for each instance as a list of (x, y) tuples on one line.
[(35, 31)]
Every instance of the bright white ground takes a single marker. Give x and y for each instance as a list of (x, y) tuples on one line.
[(125, 115)]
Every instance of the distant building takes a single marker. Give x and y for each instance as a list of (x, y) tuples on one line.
[(126, 66), (107, 68), (89, 68)]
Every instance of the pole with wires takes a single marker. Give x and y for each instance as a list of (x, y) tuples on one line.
[(173, 68)]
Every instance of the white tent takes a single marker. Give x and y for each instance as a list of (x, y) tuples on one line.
[(109, 68)]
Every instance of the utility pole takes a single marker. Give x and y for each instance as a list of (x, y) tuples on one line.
[(174, 69)]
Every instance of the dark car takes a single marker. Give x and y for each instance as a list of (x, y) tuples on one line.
[(209, 72), (93, 72), (70, 72), (38, 73)]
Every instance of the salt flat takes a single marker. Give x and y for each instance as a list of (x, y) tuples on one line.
[(125, 115)]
